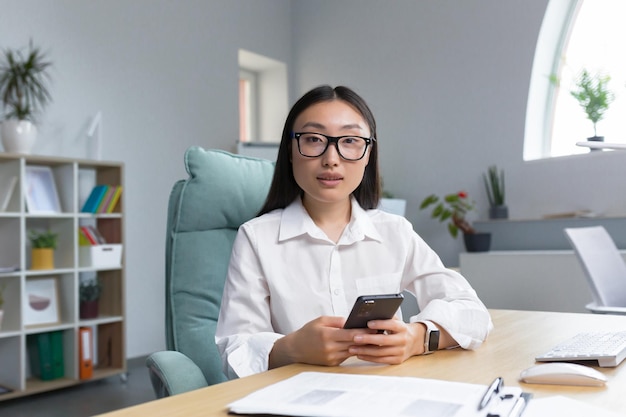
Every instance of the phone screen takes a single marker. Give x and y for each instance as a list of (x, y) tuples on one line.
[(373, 307)]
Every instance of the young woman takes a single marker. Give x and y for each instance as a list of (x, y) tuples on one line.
[(319, 242)]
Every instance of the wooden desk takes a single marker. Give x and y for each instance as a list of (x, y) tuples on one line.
[(512, 346)]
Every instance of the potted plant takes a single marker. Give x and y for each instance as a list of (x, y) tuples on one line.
[(89, 294), (594, 97), (24, 92), (43, 246), (453, 208), (494, 185)]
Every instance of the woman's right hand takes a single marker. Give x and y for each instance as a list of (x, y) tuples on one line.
[(322, 341)]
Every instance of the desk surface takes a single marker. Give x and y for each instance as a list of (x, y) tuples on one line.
[(517, 338)]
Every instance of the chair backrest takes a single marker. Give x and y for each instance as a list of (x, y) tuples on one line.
[(602, 263), (204, 212)]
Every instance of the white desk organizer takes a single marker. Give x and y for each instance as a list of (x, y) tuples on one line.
[(99, 256)]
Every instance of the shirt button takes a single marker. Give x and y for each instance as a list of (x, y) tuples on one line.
[(336, 291)]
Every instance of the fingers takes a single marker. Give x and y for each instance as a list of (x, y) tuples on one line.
[(331, 321), (378, 354), (391, 326)]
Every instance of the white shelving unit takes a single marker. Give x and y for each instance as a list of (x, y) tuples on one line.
[(74, 180)]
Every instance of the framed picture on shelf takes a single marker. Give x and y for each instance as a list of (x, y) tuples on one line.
[(41, 302), (41, 190)]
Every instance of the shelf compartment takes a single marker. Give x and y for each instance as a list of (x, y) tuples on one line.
[(64, 228), (100, 256), (110, 349)]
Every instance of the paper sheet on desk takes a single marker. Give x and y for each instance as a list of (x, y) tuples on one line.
[(345, 395), (563, 406)]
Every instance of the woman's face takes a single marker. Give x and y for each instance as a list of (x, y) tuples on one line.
[(329, 178)]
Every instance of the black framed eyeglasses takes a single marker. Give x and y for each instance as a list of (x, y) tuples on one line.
[(350, 148)]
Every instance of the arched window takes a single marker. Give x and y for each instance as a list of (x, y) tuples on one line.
[(576, 35)]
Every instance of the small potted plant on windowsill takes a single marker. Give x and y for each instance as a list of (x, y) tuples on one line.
[(89, 295), (453, 208), (43, 246), (594, 97), (494, 185)]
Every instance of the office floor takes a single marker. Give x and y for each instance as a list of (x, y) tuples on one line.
[(86, 399)]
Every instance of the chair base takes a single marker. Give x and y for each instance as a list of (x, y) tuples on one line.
[(596, 309)]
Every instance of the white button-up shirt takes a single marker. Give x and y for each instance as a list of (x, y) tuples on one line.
[(285, 272)]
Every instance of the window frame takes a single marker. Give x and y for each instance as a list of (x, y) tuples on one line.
[(553, 36)]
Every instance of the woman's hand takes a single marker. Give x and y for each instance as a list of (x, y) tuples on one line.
[(322, 341), (399, 342)]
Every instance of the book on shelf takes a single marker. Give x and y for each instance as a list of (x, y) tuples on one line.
[(89, 235), (86, 237), (102, 199), (96, 234), (94, 199), (114, 199), (106, 200)]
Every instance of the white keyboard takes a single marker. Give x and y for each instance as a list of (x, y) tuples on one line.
[(608, 348)]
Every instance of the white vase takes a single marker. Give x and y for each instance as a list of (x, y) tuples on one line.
[(18, 136)]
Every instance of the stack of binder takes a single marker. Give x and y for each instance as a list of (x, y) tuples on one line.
[(46, 355)]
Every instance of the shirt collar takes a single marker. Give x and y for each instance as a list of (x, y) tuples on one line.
[(295, 221)]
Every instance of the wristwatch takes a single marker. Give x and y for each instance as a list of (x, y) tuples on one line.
[(431, 339)]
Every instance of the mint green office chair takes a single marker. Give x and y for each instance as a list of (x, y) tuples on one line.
[(205, 210)]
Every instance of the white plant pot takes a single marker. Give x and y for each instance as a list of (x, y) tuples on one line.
[(18, 136)]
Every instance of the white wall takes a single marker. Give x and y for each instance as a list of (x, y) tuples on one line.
[(447, 80), (164, 74)]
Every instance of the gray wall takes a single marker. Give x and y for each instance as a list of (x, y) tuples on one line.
[(447, 80)]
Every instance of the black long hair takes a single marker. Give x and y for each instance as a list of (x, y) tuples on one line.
[(284, 188)]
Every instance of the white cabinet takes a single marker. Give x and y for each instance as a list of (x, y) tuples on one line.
[(548, 280), (74, 179)]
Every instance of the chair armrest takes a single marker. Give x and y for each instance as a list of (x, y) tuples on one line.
[(172, 373)]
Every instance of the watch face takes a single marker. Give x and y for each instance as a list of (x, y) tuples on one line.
[(433, 341)]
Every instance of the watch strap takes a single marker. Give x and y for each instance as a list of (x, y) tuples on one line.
[(431, 337)]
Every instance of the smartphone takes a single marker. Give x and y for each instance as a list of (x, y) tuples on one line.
[(373, 307)]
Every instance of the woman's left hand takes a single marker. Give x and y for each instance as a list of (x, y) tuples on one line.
[(399, 342)]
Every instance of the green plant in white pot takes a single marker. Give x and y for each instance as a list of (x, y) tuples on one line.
[(24, 93), (594, 96)]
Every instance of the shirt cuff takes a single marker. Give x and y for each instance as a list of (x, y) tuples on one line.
[(251, 356)]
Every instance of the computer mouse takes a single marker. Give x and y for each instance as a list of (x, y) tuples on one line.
[(559, 373)]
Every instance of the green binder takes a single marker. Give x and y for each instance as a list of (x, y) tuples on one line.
[(40, 353), (45, 351), (56, 342)]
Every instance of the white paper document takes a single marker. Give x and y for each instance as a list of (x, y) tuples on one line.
[(344, 395), (564, 406)]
